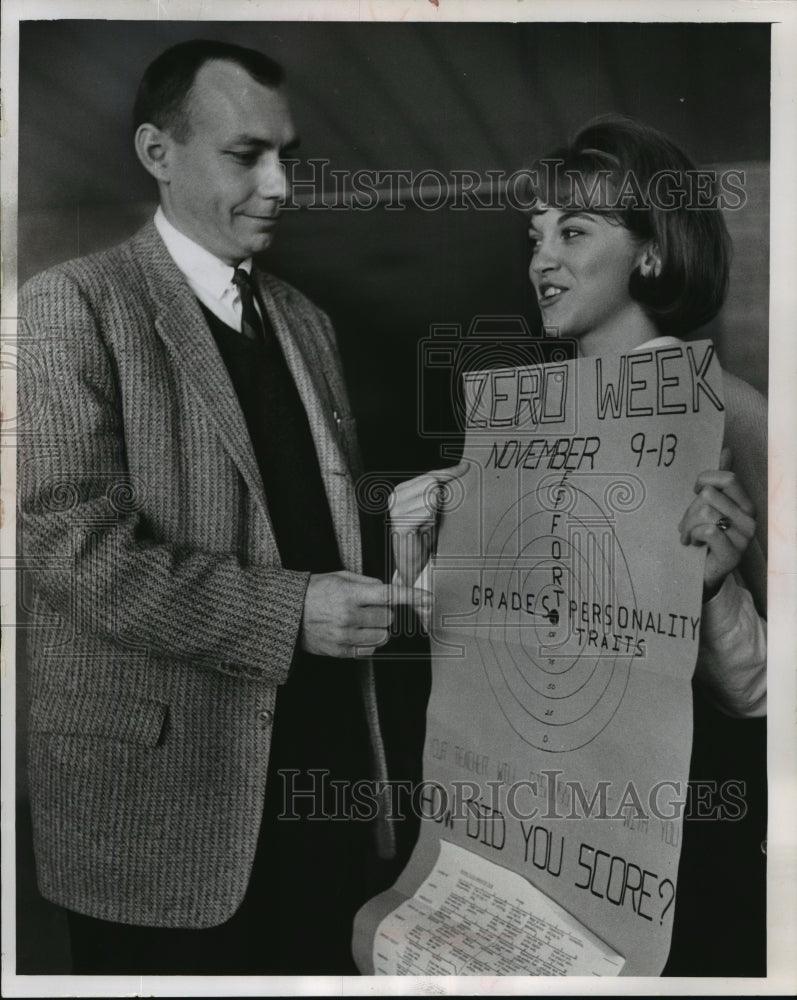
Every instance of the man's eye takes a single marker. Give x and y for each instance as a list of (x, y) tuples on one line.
[(246, 159)]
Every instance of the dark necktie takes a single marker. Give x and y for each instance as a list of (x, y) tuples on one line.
[(251, 323), (281, 437)]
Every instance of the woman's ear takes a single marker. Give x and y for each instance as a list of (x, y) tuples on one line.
[(650, 261), (152, 148)]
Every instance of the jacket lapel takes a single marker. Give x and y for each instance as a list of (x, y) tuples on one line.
[(183, 327), (301, 340), (299, 344)]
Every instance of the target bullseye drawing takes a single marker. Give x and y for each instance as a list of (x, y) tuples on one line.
[(557, 670)]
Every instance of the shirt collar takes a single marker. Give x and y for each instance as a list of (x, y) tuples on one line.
[(658, 342), (202, 269)]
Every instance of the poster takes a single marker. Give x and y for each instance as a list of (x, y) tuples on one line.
[(565, 635)]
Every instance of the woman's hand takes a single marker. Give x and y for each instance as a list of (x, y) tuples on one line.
[(721, 517), (414, 509)]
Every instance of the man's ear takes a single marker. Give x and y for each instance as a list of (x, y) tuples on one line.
[(650, 261), (153, 148)]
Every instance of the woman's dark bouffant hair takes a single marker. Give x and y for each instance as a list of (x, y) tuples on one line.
[(693, 241)]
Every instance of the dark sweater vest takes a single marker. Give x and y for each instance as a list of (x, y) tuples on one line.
[(283, 446), (319, 720)]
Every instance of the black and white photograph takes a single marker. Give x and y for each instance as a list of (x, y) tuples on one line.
[(399, 498)]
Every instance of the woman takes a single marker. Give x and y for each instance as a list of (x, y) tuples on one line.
[(625, 254)]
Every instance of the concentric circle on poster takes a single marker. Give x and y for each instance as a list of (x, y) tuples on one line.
[(556, 667)]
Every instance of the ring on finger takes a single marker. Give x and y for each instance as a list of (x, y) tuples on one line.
[(723, 523)]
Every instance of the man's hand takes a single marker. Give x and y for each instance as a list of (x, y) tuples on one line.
[(721, 517), (347, 615), (414, 509)]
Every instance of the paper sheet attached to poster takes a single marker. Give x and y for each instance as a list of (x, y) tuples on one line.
[(564, 639)]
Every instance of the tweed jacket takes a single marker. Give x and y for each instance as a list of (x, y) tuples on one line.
[(162, 618)]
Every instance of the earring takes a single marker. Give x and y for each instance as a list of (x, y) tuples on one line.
[(650, 266)]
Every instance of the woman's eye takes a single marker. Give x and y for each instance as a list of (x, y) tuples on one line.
[(569, 233), (533, 243)]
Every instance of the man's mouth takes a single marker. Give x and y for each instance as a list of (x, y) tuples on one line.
[(262, 220)]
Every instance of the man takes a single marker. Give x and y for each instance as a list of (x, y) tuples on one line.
[(187, 492)]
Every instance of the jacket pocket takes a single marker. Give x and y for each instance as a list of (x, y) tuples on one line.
[(72, 713)]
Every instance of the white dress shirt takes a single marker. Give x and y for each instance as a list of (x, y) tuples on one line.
[(209, 278)]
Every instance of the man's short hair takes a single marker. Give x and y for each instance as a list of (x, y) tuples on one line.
[(162, 94)]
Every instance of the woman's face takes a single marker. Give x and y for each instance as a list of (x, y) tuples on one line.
[(580, 266)]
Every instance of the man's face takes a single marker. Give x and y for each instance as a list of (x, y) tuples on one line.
[(226, 182)]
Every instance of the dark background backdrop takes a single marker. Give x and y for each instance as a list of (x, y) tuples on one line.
[(393, 97), (405, 97)]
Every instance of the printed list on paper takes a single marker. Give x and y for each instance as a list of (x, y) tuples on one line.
[(472, 917)]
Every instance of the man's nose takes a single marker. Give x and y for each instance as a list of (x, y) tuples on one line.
[(272, 182)]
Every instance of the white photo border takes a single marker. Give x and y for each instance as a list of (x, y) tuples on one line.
[(782, 738)]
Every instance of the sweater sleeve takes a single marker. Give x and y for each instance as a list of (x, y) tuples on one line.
[(732, 658)]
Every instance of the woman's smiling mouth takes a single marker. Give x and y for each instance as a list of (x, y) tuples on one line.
[(548, 294)]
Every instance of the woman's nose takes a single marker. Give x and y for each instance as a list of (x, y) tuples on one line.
[(543, 258)]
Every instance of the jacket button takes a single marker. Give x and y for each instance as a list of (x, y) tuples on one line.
[(266, 716)]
